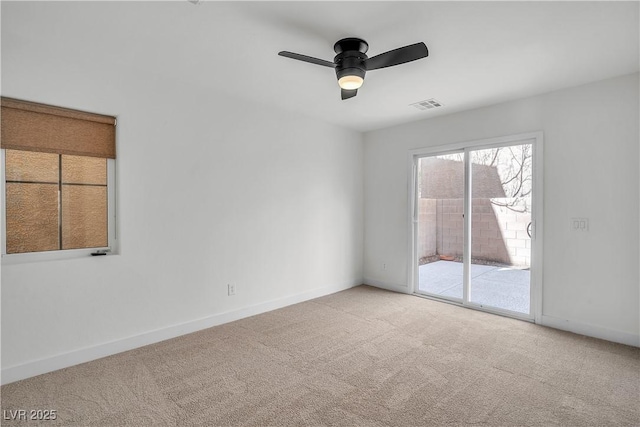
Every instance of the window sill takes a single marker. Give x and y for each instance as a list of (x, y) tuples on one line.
[(24, 258)]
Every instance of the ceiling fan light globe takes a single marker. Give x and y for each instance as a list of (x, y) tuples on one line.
[(350, 82)]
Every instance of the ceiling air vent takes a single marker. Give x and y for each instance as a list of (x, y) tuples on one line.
[(428, 104)]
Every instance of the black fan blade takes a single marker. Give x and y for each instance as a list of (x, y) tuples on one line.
[(306, 58), (398, 56), (346, 94)]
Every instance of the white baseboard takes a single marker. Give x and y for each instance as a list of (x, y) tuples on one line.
[(591, 330), (388, 286), (75, 357)]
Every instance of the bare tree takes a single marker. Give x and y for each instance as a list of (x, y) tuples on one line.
[(514, 167)]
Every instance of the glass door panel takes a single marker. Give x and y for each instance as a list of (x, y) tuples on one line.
[(501, 186), (440, 223)]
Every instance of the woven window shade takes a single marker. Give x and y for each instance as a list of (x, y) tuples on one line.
[(30, 126)]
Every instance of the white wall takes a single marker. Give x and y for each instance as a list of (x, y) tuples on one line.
[(591, 139), (211, 190)]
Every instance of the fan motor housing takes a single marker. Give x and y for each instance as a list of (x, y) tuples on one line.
[(350, 63), (351, 57)]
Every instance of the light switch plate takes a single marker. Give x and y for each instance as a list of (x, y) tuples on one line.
[(579, 224)]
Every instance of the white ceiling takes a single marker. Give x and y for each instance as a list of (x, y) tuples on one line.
[(481, 53)]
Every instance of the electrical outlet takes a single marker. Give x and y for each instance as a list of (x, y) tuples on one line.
[(384, 266), (231, 289)]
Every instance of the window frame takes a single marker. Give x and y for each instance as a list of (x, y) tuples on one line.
[(60, 254)]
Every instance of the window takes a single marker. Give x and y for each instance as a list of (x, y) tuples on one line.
[(58, 179)]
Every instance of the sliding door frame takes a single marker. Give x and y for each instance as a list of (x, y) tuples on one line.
[(536, 140)]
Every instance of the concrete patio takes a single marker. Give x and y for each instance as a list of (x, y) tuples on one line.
[(501, 287)]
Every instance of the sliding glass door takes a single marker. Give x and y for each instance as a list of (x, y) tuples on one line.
[(473, 222), (500, 227), (441, 225)]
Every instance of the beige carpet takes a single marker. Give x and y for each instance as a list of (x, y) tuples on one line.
[(362, 357)]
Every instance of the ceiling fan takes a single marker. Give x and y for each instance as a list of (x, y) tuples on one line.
[(351, 62)]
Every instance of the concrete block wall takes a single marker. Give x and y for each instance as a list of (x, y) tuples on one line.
[(499, 234), (427, 229), (450, 226)]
